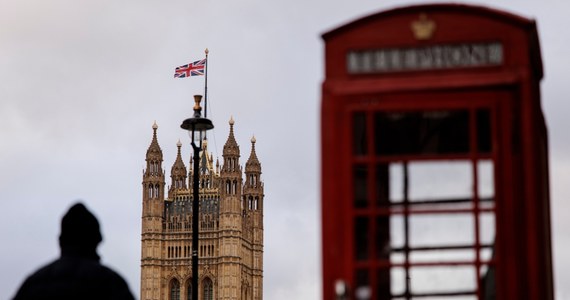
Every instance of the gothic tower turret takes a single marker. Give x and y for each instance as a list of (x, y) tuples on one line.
[(153, 179), (253, 200), (253, 187), (230, 215), (231, 170), (153, 206)]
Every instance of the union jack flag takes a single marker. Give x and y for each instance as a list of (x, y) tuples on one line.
[(193, 69)]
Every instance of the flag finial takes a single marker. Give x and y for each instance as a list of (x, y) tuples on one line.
[(206, 51)]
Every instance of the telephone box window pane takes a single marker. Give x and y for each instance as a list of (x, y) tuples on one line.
[(443, 279), (441, 230), (471, 296), (397, 257), (487, 275), (486, 183), (440, 180), (487, 228), (452, 297), (361, 234), (487, 254), (363, 288), (484, 131), (425, 132), (447, 255), (382, 185), (359, 134), (436, 182), (398, 280), (383, 284), (389, 184), (396, 231), (382, 243), (360, 177), (487, 235)]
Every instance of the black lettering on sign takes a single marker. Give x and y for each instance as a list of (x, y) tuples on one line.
[(424, 58)]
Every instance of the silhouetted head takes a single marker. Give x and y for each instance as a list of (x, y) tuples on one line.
[(80, 233)]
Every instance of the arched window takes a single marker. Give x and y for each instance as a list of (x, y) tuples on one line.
[(208, 289), (174, 289)]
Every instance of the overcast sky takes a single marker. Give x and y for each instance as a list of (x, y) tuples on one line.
[(81, 83)]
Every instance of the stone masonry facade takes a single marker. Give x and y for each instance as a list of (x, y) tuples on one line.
[(230, 231)]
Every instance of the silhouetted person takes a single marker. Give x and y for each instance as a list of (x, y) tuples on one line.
[(77, 274)]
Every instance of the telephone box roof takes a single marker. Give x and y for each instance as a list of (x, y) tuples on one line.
[(516, 22)]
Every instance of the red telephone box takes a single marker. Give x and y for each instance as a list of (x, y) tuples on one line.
[(434, 157)]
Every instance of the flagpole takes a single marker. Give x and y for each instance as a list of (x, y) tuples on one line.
[(206, 86)]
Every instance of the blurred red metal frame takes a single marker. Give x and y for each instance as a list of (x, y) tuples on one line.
[(510, 91)]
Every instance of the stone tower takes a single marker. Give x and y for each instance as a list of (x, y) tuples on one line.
[(231, 226)]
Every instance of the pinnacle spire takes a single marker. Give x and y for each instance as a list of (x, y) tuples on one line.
[(154, 151), (178, 171), (231, 147), (253, 164), (178, 168)]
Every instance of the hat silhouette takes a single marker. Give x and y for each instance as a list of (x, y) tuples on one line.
[(79, 229)]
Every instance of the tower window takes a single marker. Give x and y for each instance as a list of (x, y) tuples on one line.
[(208, 289), (155, 191), (174, 290)]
